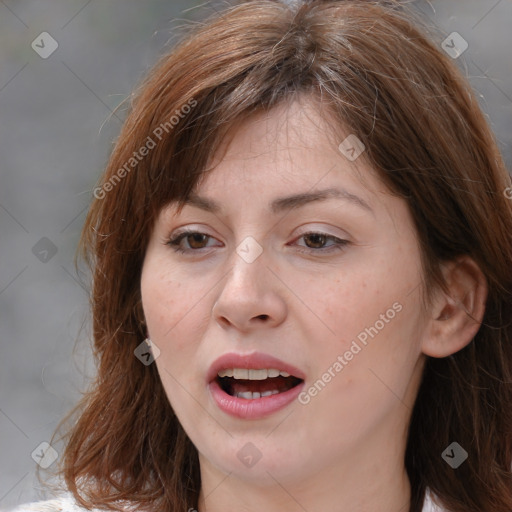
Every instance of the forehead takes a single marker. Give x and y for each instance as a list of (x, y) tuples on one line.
[(283, 159), (295, 147), (300, 124)]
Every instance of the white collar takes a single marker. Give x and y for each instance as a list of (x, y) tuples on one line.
[(68, 504), (429, 505)]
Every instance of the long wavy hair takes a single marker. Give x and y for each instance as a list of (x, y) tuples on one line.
[(379, 74)]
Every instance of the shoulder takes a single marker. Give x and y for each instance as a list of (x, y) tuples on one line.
[(66, 503), (62, 503), (40, 506), (429, 505)]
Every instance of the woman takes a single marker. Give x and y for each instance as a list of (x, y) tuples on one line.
[(301, 250)]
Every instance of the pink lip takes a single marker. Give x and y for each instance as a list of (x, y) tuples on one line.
[(259, 407)]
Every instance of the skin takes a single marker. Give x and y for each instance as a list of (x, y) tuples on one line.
[(344, 448)]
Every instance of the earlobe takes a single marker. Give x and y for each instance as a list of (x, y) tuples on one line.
[(456, 314)]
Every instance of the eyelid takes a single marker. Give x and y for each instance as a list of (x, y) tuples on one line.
[(317, 228), (175, 239), (310, 228), (190, 228)]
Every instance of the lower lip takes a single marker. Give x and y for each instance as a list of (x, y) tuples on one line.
[(250, 409)]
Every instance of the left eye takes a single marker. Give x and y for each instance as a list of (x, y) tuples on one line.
[(195, 240), (316, 239)]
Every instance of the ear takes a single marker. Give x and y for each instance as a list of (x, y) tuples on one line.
[(456, 315)]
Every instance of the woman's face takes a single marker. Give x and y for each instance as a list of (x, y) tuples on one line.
[(295, 266)]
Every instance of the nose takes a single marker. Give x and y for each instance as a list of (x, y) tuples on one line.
[(251, 297)]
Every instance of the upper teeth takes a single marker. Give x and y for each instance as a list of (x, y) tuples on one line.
[(249, 374)]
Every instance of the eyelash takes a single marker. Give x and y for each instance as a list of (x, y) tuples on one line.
[(174, 242)]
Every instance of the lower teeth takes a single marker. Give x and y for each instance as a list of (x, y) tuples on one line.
[(250, 395)]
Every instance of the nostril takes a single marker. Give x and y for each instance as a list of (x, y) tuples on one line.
[(263, 317)]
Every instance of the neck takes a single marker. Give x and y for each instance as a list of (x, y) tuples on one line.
[(367, 480)]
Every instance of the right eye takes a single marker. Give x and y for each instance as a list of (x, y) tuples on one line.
[(194, 238)]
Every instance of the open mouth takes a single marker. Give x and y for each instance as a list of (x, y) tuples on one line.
[(251, 384)]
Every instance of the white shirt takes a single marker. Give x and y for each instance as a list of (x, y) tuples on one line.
[(66, 503)]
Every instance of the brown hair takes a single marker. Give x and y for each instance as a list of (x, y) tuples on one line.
[(378, 75)]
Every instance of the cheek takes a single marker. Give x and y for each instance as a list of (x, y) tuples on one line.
[(172, 320), (353, 301), (163, 300), (357, 385), (374, 317), (176, 306)]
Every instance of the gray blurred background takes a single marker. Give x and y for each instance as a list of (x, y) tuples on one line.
[(57, 124)]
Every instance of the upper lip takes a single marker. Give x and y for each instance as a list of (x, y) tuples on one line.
[(255, 361)]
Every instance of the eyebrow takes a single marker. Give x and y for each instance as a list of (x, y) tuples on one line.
[(286, 203)]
